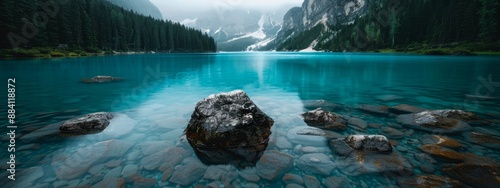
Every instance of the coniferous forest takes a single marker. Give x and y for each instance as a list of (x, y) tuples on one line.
[(31, 26), (415, 25)]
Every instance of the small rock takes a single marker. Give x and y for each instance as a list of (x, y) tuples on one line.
[(317, 163), (94, 122), (322, 119), (188, 174), (215, 172), (311, 182), (367, 143), (437, 121), (293, 185), (309, 136), (249, 174), (129, 170), (292, 178)]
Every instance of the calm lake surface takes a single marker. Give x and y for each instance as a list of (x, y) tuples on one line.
[(159, 92)]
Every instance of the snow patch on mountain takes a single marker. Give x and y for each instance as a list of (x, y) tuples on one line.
[(189, 21)]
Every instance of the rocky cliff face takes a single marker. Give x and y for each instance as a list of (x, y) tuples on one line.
[(326, 12)]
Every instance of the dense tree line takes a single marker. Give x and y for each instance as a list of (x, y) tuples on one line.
[(406, 24), (92, 25)]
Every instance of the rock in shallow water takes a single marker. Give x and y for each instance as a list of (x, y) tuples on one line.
[(316, 163), (364, 154), (231, 123), (438, 121), (374, 109), (314, 104), (273, 164), (89, 123), (405, 109), (324, 120), (486, 140)]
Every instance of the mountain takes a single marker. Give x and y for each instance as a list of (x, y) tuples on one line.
[(363, 25), (238, 29), (144, 7)]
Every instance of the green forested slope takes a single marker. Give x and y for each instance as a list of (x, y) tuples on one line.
[(92, 25)]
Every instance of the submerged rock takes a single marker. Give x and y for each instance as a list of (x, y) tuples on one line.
[(386, 98), (438, 121), (374, 109), (324, 120), (364, 154), (405, 109), (392, 133), (315, 104), (228, 127), (273, 164), (476, 175), (311, 136), (359, 123), (89, 123), (100, 79), (485, 140), (443, 141), (70, 166), (443, 154), (365, 143), (316, 163), (430, 181)]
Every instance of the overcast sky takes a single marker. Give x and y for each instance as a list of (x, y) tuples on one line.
[(177, 9)]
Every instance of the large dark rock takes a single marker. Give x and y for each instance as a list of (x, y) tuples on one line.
[(324, 120), (89, 123), (438, 121), (228, 128), (476, 175), (365, 154), (443, 154)]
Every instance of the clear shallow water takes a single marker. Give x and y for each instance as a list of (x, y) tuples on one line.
[(159, 93)]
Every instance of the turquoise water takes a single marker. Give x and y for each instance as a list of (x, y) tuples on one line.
[(159, 93)]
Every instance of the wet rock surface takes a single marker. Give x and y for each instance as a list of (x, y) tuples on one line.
[(438, 121), (89, 123), (315, 104), (322, 119), (231, 123)]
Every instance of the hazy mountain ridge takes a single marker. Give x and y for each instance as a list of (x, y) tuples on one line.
[(237, 29), (144, 7)]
